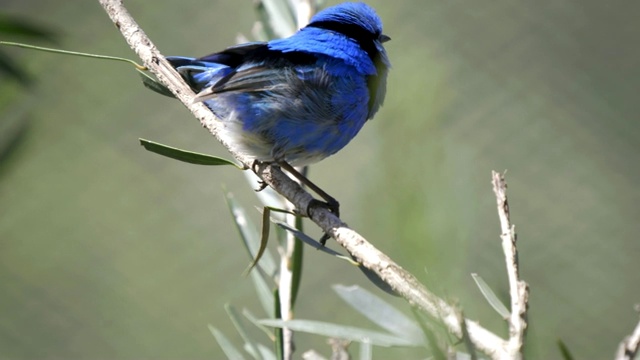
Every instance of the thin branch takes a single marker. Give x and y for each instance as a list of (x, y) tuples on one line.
[(518, 289), (402, 282), (630, 346)]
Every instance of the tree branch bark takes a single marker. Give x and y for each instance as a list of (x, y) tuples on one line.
[(518, 289)]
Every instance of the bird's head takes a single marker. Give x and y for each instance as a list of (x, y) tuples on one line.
[(356, 20)]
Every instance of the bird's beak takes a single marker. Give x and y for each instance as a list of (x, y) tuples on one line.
[(383, 38)]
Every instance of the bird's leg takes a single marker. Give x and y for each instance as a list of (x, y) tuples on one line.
[(331, 203)]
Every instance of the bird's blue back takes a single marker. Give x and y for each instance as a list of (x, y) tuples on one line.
[(298, 99)]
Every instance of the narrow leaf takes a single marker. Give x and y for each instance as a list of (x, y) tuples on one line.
[(263, 279), (184, 155), (250, 345), (296, 265), (264, 239), (491, 297), (153, 84), (277, 331), (341, 331), (255, 321), (266, 353), (377, 280), (227, 347), (249, 235), (312, 242), (264, 290), (73, 53), (380, 312)]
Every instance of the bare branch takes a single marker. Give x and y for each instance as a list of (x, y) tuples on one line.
[(402, 282), (518, 289)]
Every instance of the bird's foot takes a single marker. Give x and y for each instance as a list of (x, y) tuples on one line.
[(332, 205), (261, 186)]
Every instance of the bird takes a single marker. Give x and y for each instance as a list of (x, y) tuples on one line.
[(297, 100)]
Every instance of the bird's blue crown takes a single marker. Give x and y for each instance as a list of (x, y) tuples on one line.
[(334, 32)]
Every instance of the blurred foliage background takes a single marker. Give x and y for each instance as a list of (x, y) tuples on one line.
[(108, 251)]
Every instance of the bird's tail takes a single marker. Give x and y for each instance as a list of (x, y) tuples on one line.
[(200, 75)]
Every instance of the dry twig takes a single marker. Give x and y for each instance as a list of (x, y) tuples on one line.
[(518, 289)]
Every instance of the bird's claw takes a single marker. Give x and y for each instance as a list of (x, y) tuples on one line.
[(261, 186), (333, 206)]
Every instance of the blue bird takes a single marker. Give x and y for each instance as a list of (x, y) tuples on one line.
[(296, 100)]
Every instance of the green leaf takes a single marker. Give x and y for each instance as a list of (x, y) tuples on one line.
[(341, 331), (227, 347), (377, 280), (184, 155), (491, 297), (312, 242), (264, 238), (265, 352), (296, 265), (278, 331), (380, 312), (250, 345), (153, 84), (73, 53), (249, 235), (255, 321), (263, 280)]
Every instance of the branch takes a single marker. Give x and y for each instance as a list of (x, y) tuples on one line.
[(630, 346), (402, 282), (518, 289)]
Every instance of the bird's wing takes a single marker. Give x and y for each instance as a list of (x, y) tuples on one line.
[(266, 75), (258, 78), (253, 79), (234, 56)]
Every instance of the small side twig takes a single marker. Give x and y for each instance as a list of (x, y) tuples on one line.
[(518, 289), (630, 346)]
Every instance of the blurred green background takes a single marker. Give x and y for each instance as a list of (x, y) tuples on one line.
[(108, 251)]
